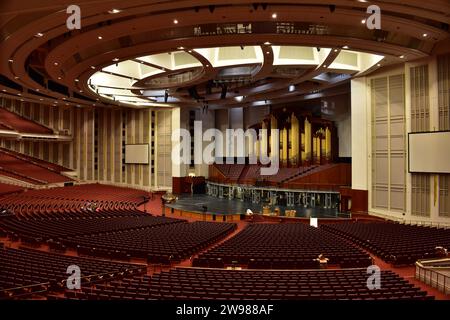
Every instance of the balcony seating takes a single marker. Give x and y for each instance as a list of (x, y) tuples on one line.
[(21, 168), (17, 123)]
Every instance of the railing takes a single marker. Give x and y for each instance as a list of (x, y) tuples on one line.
[(433, 276)]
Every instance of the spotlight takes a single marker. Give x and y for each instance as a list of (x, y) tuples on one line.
[(242, 47), (332, 8), (264, 5), (318, 49), (274, 15), (255, 6), (211, 8)]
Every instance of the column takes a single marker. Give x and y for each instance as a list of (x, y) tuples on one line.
[(294, 138)]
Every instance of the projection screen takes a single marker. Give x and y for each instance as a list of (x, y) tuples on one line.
[(136, 154), (429, 152)]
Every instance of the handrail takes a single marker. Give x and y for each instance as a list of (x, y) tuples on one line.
[(430, 275)]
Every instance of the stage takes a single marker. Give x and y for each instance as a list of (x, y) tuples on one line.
[(233, 209)]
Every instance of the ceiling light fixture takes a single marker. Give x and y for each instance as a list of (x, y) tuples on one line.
[(345, 47), (11, 60), (55, 63), (39, 35), (92, 67), (291, 88), (175, 21), (402, 57), (274, 15), (425, 35), (115, 59), (267, 43), (114, 11), (76, 80), (100, 37), (363, 21)]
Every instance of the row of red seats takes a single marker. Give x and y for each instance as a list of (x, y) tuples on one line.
[(21, 124), (31, 170), (200, 284), (395, 243)]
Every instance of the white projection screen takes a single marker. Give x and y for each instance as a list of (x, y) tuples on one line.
[(429, 152), (136, 154)]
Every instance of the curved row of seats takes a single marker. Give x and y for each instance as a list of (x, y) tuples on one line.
[(36, 171), (166, 244), (70, 202), (396, 243), (26, 272), (283, 246), (201, 284), (38, 231)]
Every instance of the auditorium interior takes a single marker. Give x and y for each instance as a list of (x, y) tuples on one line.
[(224, 150)]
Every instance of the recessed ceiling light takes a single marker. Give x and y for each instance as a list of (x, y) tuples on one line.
[(59, 78), (37, 89), (39, 35), (180, 48), (67, 104), (55, 63), (364, 1), (81, 91), (4, 90), (16, 77), (363, 21), (291, 88), (11, 60), (274, 15), (239, 98), (267, 43), (19, 94), (64, 98), (56, 102), (324, 65), (402, 57), (92, 67), (76, 80), (175, 21), (114, 11), (115, 59), (336, 50), (345, 47), (41, 99), (207, 65), (22, 100), (378, 65), (267, 52), (425, 35), (190, 51), (99, 37)]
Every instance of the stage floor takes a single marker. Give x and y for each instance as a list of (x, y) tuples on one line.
[(215, 205)]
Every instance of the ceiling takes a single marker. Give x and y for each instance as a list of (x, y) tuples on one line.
[(221, 54)]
